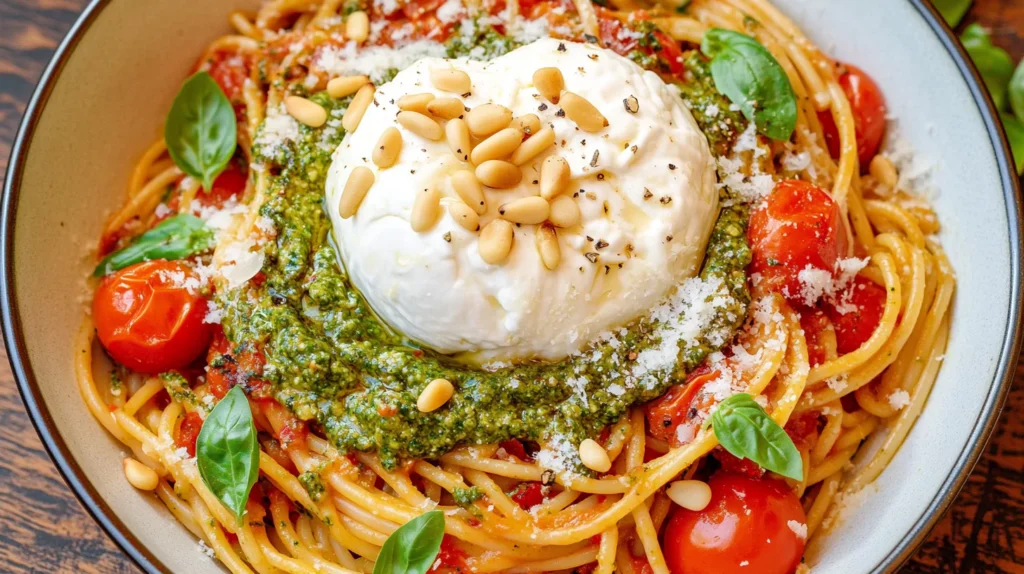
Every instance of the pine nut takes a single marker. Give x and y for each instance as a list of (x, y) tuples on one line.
[(690, 494), (415, 102), (458, 138), (549, 83), (388, 147), (359, 182), (486, 119), (547, 246), (533, 146), (435, 395), (451, 80), (468, 187), (498, 174), (464, 215), (305, 111), (884, 171), (425, 210), (495, 241), (564, 212), (420, 125), (360, 102), (357, 27), (497, 146), (580, 110), (529, 210), (446, 108), (139, 475), (346, 85), (554, 176), (594, 456), (530, 123)]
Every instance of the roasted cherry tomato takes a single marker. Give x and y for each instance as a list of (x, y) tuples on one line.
[(188, 432), (146, 318), (799, 226), (678, 407), (856, 314), (623, 39), (868, 106), (750, 525)]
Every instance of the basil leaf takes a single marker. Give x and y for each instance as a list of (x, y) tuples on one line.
[(413, 547), (1016, 91), (745, 430), (746, 73), (176, 237), (227, 453), (952, 10), (1015, 135), (993, 63), (200, 130)]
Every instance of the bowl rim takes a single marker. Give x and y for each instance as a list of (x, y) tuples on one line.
[(95, 505)]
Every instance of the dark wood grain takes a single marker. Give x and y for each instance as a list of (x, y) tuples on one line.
[(47, 530)]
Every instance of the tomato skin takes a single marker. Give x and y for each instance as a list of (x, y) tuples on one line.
[(799, 226), (743, 529), (855, 327), (869, 110), (146, 322), (188, 432), (673, 409)]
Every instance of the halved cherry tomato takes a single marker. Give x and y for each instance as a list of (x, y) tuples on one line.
[(750, 525), (147, 320), (868, 106), (188, 432), (679, 407), (799, 226), (857, 314)]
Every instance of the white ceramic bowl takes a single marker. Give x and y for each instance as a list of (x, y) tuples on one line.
[(104, 96)]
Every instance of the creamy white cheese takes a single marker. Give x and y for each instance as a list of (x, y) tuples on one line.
[(645, 186)]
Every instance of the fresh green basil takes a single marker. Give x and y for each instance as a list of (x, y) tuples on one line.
[(413, 547), (227, 453), (1015, 135), (745, 430), (993, 63), (746, 73), (176, 237), (952, 10), (200, 129), (1016, 91)]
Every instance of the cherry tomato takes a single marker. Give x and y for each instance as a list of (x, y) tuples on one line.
[(515, 448), (678, 408), (188, 432), (732, 464), (227, 366), (868, 106), (799, 226), (857, 314), (813, 321), (450, 557), (147, 320), (619, 37), (749, 526), (527, 495), (230, 71)]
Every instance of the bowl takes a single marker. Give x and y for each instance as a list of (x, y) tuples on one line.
[(103, 98)]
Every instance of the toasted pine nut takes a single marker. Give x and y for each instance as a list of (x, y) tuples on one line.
[(529, 123), (547, 246), (497, 146), (564, 211), (451, 80), (420, 125), (415, 102), (346, 85), (306, 111), (360, 102), (359, 182), (533, 146), (495, 241), (884, 171), (389, 145), (139, 475), (499, 174), (458, 138), (549, 83), (357, 27), (468, 187), (594, 456), (435, 395), (580, 110), (631, 104), (486, 119), (425, 210), (554, 176), (464, 215), (690, 494), (446, 108), (529, 210)]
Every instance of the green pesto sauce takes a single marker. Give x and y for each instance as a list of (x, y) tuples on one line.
[(330, 360), (313, 484)]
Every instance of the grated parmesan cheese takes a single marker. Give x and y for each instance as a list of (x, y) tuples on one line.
[(899, 399)]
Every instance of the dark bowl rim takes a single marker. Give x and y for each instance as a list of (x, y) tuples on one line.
[(123, 537)]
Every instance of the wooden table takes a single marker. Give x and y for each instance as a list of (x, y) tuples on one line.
[(47, 530)]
